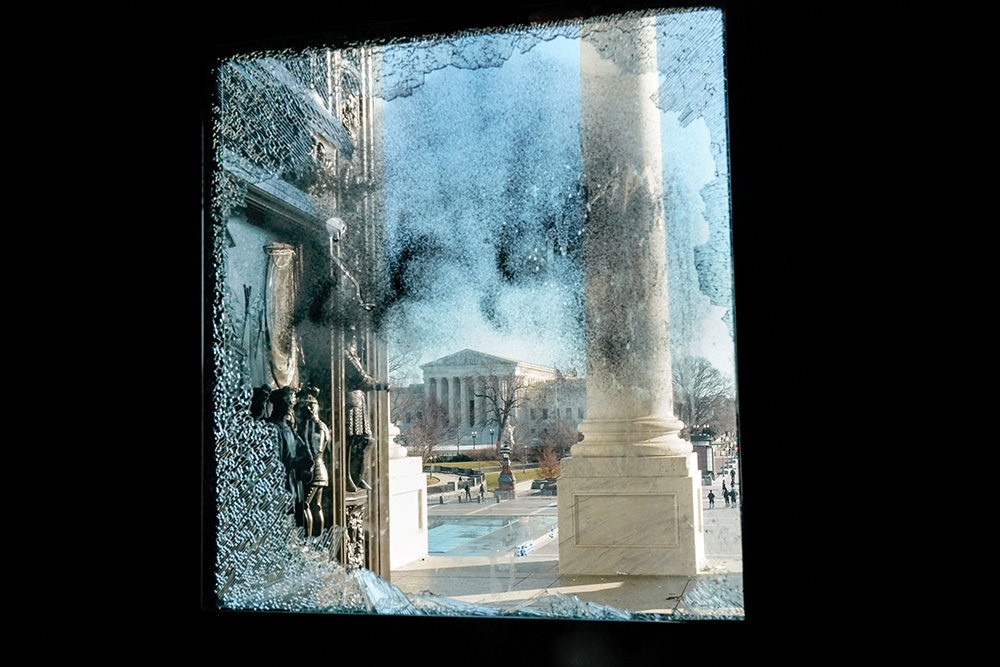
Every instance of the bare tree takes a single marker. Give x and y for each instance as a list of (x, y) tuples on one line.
[(520, 451), (402, 361), (703, 396), (559, 436), (504, 395), (406, 404), (430, 427), (725, 416)]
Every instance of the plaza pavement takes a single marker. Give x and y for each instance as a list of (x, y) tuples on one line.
[(508, 581)]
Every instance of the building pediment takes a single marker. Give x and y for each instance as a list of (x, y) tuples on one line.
[(470, 363), (467, 358)]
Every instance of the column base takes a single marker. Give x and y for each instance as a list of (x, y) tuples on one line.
[(638, 515), (623, 438)]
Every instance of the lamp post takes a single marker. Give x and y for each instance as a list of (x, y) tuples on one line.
[(474, 434), (491, 438)]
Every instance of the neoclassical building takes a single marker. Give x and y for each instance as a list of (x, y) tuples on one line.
[(455, 380)]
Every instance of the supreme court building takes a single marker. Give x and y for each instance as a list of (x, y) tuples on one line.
[(454, 381)]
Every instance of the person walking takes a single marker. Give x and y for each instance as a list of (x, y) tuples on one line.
[(725, 494), (732, 495), (732, 477), (482, 491), (468, 494), (711, 500)]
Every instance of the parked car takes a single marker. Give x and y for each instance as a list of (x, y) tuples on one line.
[(549, 488), (539, 483)]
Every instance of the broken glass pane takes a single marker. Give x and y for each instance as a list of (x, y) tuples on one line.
[(464, 156)]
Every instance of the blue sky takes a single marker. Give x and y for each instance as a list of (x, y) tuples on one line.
[(484, 212)]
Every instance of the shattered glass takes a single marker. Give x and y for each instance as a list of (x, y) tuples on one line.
[(484, 252)]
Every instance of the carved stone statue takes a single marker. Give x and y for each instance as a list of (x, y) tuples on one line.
[(358, 427), (295, 455), (316, 436), (259, 403)]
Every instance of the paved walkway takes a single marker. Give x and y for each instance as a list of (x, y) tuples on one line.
[(507, 577)]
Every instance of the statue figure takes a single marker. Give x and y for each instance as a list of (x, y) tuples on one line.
[(316, 436), (358, 426), (295, 455), (259, 403)]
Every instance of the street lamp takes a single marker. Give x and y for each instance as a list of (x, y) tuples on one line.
[(474, 434), (491, 438)]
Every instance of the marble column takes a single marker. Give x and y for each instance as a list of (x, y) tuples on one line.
[(629, 495), (443, 394), (481, 403), (465, 401), (430, 391)]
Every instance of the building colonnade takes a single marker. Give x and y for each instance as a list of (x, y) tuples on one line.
[(457, 394)]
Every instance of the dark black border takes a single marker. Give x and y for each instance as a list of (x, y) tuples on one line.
[(770, 53)]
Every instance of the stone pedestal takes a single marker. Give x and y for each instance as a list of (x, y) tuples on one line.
[(407, 504), (630, 515), (407, 510), (506, 488)]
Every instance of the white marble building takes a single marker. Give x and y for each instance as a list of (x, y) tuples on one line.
[(454, 381)]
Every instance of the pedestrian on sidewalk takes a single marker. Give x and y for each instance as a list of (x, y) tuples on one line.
[(732, 477), (732, 495), (725, 494), (482, 491), (468, 494), (711, 500)]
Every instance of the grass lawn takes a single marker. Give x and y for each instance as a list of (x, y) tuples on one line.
[(490, 477), (469, 464), (519, 476)]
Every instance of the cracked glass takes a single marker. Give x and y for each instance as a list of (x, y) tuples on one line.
[(464, 172)]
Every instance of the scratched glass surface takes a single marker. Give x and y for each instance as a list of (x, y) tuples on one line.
[(479, 176)]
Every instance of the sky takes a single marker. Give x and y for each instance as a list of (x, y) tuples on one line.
[(484, 211)]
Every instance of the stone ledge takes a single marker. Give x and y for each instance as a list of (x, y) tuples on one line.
[(629, 466)]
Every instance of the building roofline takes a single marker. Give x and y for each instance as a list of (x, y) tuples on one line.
[(516, 362)]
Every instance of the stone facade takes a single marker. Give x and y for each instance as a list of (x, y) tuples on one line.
[(454, 380)]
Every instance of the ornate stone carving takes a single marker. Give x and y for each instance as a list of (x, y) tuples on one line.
[(316, 436), (355, 537), (296, 457), (260, 407), (358, 427)]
